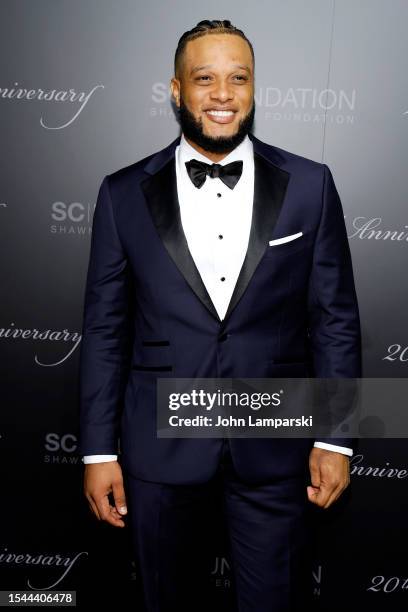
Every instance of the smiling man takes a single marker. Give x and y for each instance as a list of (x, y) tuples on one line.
[(218, 256), (214, 120)]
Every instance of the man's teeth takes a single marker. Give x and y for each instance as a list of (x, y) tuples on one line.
[(220, 113)]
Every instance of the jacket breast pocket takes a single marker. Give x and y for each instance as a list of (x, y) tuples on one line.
[(288, 248)]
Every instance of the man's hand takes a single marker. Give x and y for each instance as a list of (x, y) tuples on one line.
[(100, 479), (330, 475)]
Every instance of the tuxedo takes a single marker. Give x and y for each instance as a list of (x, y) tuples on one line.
[(257, 283), (147, 312)]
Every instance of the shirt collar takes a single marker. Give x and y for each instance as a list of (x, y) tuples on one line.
[(243, 151)]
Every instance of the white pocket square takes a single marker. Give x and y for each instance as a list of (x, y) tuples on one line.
[(285, 239)]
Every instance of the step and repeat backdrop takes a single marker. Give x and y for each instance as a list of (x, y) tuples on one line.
[(84, 91)]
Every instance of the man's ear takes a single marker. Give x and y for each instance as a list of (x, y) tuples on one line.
[(175, 90)]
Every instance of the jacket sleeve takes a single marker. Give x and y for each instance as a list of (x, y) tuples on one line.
[(106, 333), (333, 313)]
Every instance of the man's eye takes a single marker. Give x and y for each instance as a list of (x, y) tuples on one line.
[(239, 77)]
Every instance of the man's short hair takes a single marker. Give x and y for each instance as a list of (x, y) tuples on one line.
[(203, 28)]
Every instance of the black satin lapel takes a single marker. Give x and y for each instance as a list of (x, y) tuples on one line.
[(160, 191), (270, 185)]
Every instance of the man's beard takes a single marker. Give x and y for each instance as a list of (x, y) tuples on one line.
[(193, 130)]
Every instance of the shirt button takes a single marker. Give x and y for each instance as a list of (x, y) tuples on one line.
[(218, 195), (222, 278), (220, 236)]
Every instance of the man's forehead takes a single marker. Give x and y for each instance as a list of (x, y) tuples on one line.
[(211, 45), (198, 67), (205, 52)]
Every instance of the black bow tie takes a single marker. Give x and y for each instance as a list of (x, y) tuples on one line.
[(229, 173)]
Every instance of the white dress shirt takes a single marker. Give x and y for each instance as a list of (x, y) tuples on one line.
[(216, 221)]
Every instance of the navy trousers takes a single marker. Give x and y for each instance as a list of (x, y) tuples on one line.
[(268, 529)]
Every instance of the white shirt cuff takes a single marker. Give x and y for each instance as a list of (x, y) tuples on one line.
[(99, 458), (337, 449)]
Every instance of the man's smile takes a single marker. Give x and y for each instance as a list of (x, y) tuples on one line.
[(220, 116)]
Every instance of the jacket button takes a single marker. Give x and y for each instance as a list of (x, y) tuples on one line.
[(223, 337)]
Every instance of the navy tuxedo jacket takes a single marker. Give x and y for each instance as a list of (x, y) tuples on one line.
[(147, 313)]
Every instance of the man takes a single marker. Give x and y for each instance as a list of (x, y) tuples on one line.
[(199, 272)]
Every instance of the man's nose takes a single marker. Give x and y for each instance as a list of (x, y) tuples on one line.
[(221, 91)]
